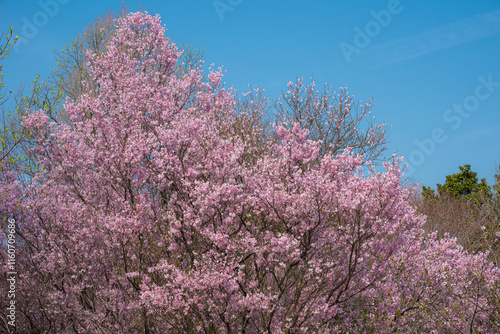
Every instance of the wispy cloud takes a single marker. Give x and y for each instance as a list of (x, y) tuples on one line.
[(481, 133), (443, 37)]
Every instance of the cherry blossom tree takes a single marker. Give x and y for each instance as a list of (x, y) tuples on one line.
[(335, 119), (147, 216)]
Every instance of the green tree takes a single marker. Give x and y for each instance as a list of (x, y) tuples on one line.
[(465, 184), (5, 46), (10, 40), (496, 186), (428, 193), (466, 208)]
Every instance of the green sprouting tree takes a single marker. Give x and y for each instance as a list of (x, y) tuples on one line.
[(496, 186), (466, 185)]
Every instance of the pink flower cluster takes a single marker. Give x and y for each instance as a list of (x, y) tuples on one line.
[(146, 219)]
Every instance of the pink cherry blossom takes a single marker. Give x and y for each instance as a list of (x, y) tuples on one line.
[(146, 219)]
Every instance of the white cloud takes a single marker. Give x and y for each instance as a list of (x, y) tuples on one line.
[(443, 37)]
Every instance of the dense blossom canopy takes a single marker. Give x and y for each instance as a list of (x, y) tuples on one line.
[(146, 218)]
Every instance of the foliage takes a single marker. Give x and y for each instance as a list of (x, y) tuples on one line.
[(464, 184), (466, 209), (10, 40), (151, 212), (496, 186), (9, 139)]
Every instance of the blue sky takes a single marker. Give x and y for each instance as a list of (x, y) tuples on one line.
[(432, 67)]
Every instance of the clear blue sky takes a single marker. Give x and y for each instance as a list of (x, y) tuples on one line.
[(433, 67)]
